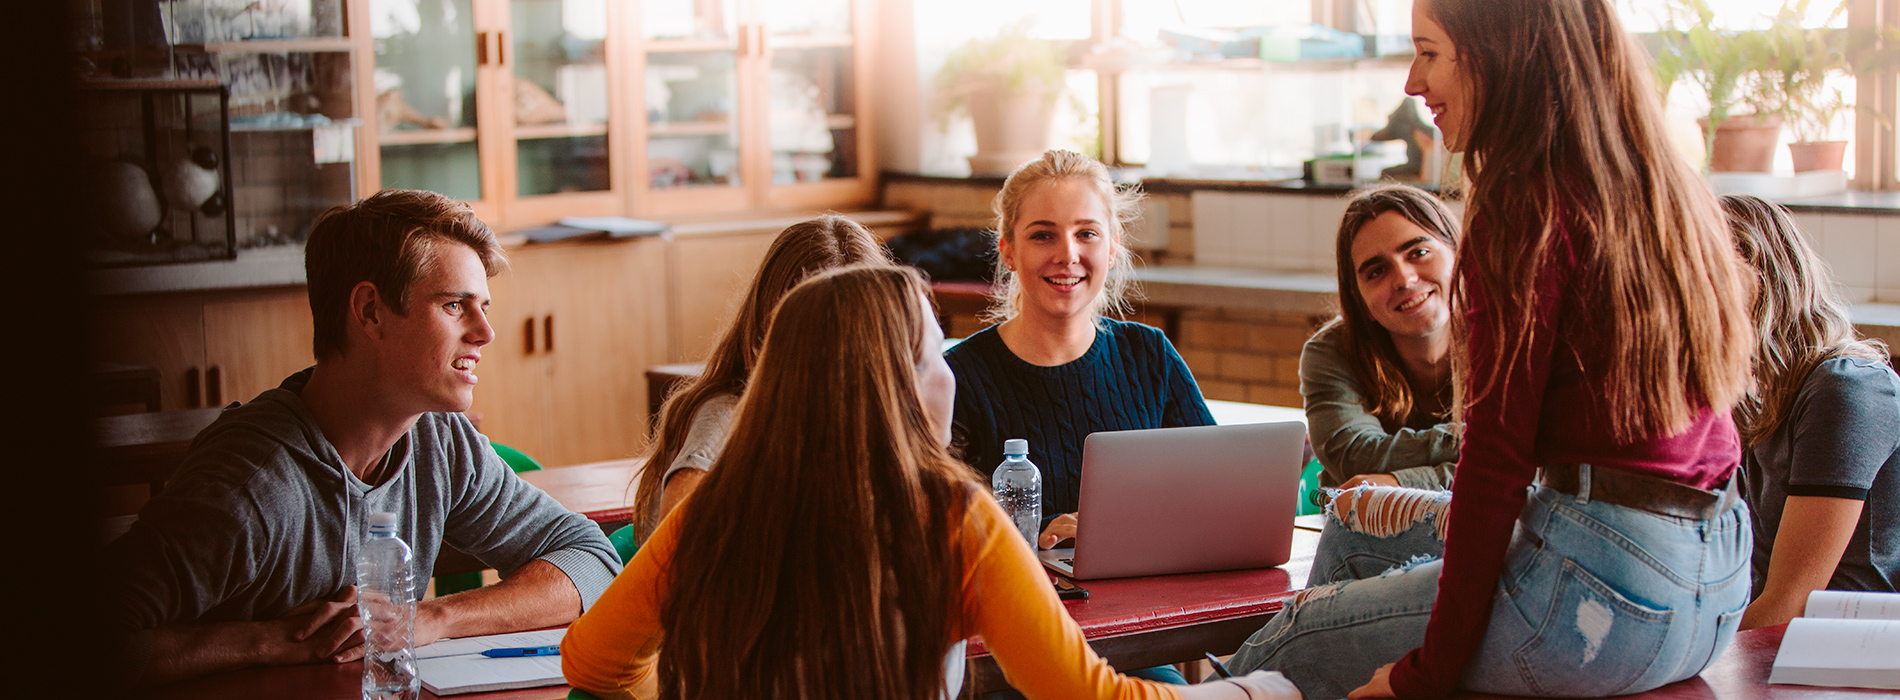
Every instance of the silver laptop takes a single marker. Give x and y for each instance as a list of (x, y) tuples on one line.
[(1182, 500)]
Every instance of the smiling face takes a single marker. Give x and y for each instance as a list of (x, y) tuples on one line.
[(1403, 274), (1061, 249), (428, 357), (1437, 78)]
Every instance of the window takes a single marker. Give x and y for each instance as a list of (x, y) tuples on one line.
[(1221, 89)]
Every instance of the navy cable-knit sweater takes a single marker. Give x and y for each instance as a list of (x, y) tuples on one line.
[(1131, 378)]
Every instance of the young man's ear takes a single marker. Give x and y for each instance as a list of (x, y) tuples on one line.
[(367, 310)]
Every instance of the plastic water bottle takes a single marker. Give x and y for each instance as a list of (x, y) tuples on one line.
[(386, 600), (1018, 487)]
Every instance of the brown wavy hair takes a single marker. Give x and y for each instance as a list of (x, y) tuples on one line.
[(820, 557), (800, 251), (1566, 135), (1367, 345), (1800, 318), (1124, 207)]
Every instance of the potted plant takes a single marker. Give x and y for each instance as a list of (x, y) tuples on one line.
[(1009, 85), (1801, 59), (1719, 61)]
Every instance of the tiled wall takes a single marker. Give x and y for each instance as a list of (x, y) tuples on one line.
[(1864, 252), (1254, 356)]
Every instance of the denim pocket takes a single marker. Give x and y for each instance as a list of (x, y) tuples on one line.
[(1725, 626), (1593, 641)]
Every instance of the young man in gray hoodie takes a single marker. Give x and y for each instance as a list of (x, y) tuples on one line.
[(249, 556)]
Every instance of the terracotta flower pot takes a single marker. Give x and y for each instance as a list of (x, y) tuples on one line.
[(1010, 129), (1817, 155), (1744, 143)]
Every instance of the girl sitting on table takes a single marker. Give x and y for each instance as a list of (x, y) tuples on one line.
[(1601, 339), (838, 551), (694, 418), (1053, 369), (1822, 429), (1377, 379)]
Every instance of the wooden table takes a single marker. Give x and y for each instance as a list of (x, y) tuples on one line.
[(1153, 620), (602, 491), (1741, 673)]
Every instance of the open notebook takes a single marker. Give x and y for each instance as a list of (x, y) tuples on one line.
[(456, 666), (1845, 638)]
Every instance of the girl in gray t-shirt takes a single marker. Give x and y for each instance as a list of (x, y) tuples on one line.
[(1821, 468)]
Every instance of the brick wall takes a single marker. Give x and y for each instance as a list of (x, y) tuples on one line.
[(1245, 355)]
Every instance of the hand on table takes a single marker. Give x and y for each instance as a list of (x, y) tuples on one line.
[(1371, 479), (1379, 687), (322, 629), (1059, 529)]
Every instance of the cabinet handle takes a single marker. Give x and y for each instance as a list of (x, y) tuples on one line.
[(547, 333), (214, 387), (527, 329), (501, 48), (481, 48), (194, 389)]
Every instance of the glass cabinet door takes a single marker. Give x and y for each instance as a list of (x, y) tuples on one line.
[(425, 95), (813, 88), (561, 100), (691, 93)]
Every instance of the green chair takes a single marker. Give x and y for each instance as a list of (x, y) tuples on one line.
[(468, 581), (1309, 489), (516, 459), (626, 543)]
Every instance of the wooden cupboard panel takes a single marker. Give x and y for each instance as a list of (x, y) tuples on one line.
[(254, 343), (165, 332), (709, 276), (511, 404), (609, 325)]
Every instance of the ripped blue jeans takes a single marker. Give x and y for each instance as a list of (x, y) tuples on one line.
[(1595, 599)]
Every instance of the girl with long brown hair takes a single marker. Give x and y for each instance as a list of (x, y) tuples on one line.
[(1601, 340), (694, 418), (1377, 379), (838, 550), (1822, 428)]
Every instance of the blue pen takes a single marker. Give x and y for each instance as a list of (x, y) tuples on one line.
[(521, 651)]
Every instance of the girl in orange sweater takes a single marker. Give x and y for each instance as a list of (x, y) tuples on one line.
[(837, 550)]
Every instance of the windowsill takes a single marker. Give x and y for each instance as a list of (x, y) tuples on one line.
[(1314, 293), (1850, 202)]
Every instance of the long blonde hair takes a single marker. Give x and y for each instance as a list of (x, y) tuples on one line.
[(801, 250), (1124, 208), (820, 557), (1800, 318), (1566, 135)]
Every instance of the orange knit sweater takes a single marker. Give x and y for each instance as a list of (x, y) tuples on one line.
[(611, 650)]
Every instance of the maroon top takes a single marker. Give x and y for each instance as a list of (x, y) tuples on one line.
[(1507, 437)]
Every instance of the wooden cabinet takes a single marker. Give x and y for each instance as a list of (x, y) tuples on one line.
[(576, 326), (536, 109), (209, 348)]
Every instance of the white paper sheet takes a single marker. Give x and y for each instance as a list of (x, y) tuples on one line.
[(455, 666)]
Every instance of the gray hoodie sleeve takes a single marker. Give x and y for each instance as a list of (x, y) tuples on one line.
[(505, 522), (1350, 441)]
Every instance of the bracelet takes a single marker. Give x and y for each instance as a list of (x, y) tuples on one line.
[(1242, 686)]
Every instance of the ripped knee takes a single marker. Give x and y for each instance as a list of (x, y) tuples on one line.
[(1388, 511)]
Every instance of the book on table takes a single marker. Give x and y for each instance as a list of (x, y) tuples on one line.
[(456, 666), (1844, 638)]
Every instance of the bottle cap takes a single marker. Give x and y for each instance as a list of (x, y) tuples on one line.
[(1015, 447), (382, 522)]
